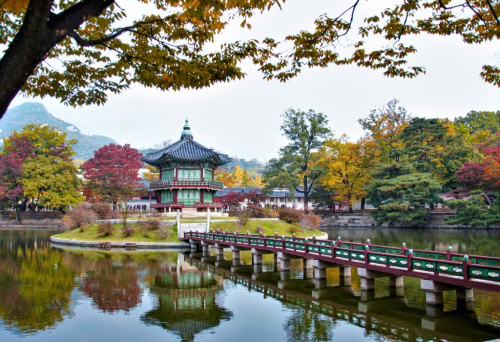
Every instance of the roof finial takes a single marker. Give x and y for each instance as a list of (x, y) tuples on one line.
[(186, 133)]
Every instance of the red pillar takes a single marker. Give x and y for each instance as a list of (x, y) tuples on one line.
[(175, 196)]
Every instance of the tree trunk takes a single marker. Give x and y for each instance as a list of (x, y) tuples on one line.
[(363, 201), (40, 32), (349, 203), (432, 206), (306, 196)]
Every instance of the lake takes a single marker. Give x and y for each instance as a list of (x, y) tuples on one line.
[(51, 293)]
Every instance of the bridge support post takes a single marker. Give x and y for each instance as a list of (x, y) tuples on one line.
[(194, 245), (368, 277), (257, 256), (434, 294), (220, 253), (320, 273), (237, 255), (206, 250), (307, 269)]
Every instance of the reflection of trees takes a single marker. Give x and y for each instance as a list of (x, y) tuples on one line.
[(113, 288), (305, 325), (35, 283), (187, 303)]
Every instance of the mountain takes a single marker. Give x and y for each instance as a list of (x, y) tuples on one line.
[(33, 112), (254, 167)]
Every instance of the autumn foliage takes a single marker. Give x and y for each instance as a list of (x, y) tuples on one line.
[(113, 173)]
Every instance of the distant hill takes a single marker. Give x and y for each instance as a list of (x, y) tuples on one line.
[(33, 112), (253, 166)]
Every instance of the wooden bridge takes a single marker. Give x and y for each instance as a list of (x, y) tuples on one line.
[(438, 271)]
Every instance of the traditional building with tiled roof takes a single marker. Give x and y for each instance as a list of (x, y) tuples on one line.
[(186, 175)]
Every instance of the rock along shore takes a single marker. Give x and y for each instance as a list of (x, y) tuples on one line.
[(138, 245)]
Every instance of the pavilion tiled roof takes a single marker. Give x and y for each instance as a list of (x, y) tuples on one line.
[(186, 149)]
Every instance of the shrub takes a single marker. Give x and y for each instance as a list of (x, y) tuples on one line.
[(105, 228), (311, 220), (234, 211), (81, 215), (271, 213), (68, 223), (243, 218), (295, 228), (85, 227), (102, 210), (150, 225), (128, 230), (114, 214), (290, 215), (260, 229), (163, 233), (256, 212)]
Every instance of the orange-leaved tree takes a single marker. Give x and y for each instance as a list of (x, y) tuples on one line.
[(346, 167)]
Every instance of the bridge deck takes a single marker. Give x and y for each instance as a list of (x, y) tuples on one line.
[(472, 271)]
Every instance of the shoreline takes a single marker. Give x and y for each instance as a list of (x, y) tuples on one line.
[(128, 244), (131, 244)]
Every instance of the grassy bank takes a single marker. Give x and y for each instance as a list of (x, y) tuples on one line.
[(270, 227), (201, 219), (91, 234)]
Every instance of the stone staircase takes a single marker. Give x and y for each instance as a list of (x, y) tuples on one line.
[(189, 212), (195, 227)]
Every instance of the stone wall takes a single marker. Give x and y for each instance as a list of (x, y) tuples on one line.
[(43, 224), (365, 220)]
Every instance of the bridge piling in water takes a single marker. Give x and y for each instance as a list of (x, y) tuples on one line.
[(320, 273), (434, 294), (367, 279)]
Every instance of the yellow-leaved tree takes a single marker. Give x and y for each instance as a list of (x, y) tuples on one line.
[(47, 173), (152, 174), (346, 167), (258, 181), (225, 178)]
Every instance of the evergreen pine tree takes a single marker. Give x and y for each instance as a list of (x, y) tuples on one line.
[(400, 194)]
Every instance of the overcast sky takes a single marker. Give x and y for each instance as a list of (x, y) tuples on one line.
[(242, 118)]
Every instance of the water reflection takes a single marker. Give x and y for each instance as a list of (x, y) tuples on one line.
[(188, 301), (113, 287), (106, 295), (35, 284), (384, 314)]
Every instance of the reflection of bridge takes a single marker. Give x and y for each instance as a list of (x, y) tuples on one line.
[(438, 271), (389, 316)]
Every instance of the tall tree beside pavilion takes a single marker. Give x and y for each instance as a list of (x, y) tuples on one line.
[(306, 132), (112, 175)]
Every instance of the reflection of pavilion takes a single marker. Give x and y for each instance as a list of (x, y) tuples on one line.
[(187, 302)]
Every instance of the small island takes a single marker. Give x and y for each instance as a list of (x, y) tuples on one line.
[(168, 233)]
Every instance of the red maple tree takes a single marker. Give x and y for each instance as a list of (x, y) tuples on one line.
[(113, 173)]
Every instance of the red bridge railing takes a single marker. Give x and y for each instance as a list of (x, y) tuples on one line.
[(465, 267)]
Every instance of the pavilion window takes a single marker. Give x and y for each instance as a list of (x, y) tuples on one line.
[(189, 175), (167, 175), (208, 175), (208, 196), (167, 196)]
